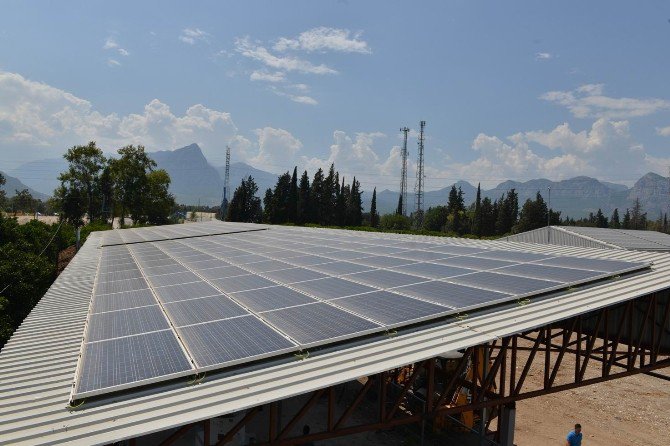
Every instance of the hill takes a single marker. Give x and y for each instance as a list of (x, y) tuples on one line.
[(13, 184)]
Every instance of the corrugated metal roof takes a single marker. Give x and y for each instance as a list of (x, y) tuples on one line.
[(37, 365), (629, 239)]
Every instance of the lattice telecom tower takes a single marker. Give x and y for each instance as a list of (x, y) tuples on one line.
[(402, 209), (418, 189), (226, 185)]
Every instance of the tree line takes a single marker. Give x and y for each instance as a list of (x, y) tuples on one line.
[(326, 200)]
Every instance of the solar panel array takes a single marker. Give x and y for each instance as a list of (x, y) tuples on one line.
[(167, 232), (626, 238), (170, 308)]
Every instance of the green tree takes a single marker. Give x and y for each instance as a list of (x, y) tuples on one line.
[(292, 201), (600, 219), (304, 213), (399, 208), (319, 198), (638, 218), (435, 218), (395, 222), (489, 217), (477, 217), (245, 206), (158, 201), (3, 195), (533, 215), (625, 224), (615, 223), (268, 206), (354, 204), (82, 178), (374, 216), (508, 212), (22, 201), (129, 173)]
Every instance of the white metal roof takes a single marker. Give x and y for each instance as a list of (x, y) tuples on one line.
[(38, 363), (589, 237)]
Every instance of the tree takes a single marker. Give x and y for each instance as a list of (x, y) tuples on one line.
[(318, 197), (395, 222), (399, 208), (3, 196), (292, 200), (23, 201), (477, 218), (158, 201), (354, 204), (245, 206), (374, 216), (435, 218), (614, 219), (533, 214), (489, 218), (82, 179), (638, 218), (600, 219), (280, 205), (129, 173), (508, 211), (304, 212), (625, 224), (267, 206)]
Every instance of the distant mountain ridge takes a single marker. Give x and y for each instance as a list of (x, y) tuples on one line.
[(12, 184), (195, 180)]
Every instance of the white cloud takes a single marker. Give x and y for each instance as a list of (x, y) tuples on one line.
[(251, 50), (113, 63), (276, 148), (265, 76), (193, 35), (301, 99), (325, 39), (543, 56), (589, 101), (664, 131), (112, 44)]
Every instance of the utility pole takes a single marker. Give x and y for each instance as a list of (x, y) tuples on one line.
[(418, 189), (403, 174), (226, 185)]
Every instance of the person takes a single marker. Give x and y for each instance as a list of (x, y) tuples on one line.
[(305, 431), (574, 438)]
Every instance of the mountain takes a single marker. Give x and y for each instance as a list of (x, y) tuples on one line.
[(13, 184), (194, 180), (41, 175), (653, 191), (238, 171)]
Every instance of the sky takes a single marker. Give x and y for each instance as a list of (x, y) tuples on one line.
[(509, 90)]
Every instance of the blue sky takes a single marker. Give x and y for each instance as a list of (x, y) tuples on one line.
[(513, 90)]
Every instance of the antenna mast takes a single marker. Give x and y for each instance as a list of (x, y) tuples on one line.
[(402, 209), (226, 185), (418, 189)]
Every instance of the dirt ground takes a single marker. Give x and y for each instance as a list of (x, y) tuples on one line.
[(48, 219), (627, 411)]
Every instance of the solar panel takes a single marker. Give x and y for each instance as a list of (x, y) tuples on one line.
[(315, 323), (226, 341), (337, 268), (506, 283), (242, 283), (129, 360), (294, 275), (302, 287), (433, 270), (452, 295), (185, 291), (125, 323), (608, 266), (203, 309), (332, 288), (389, 308), (474, 262), (384, 279), (122, 301), (271, 298), (173, 279), (559, 274), (119, 286)]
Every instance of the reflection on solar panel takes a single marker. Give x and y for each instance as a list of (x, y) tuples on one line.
[(165, 308)]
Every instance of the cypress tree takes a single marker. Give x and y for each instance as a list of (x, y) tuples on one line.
[(317, 197), (615, 223), (292, 201), (477, 220), (374, 217), (304, 208)]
